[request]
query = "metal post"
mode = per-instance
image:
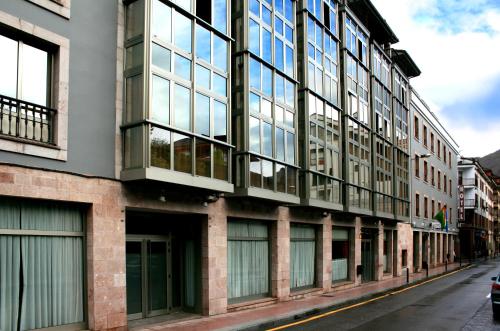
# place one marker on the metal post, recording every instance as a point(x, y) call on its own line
point(408, 275)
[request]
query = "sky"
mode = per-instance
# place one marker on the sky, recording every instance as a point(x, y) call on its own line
point(456, 45)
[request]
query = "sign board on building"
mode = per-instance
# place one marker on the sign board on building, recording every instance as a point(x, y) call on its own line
point(461, 204)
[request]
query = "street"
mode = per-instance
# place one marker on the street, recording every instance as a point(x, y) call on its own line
point(455, 302)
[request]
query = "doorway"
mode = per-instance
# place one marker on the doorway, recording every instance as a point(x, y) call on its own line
point(367, 256)
point(163, 264)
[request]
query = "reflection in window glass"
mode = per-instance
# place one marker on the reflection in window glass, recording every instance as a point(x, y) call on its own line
point(280, 178)
point(182, 153)
point(267, 175)
point(288, 33)
point(290, 93)
point(278, 25)
point(289, 10)
point(34, 75)
point(254, 103)
point(203, 43)
point(220, 121)
point(202, 77)
point(182, 67)
point(8, 67)
point(254, 37)
point(278, 114)
point(182, 32)
point(267, 81)
point(202, 116)
point(220, 53)
point(255, 7)
point(220, 162)
point(160, 148)
point(289, 61)
point(291, 180)
point(280, 144)
point(289, 118)
point(133, 104)
point(280, 89)
point(266, 108)
point(266, 15)
point(160, 102)
point(267, 140)
point(133, 57)
point(278, 56)
point(290, 148)
point(254, 74)
point(182, 107)
point(186, 4)
point(161, 57)
point(266, 45)
point(220, 85)
point(135, 19)
point(161, 25)
point(203, 162)
point(254, 135)
point(220, 15)
point(255, 172)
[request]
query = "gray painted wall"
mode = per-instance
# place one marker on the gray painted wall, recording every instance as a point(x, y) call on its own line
point(92, 83)
point(418, 185)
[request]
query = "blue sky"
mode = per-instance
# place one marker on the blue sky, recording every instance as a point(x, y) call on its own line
point(456, 44)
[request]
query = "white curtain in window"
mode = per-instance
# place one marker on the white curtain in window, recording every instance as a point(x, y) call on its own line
point(339, 269)
point(248, 259)
point(302, 255)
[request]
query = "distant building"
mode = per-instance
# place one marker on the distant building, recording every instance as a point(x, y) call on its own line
point(477, 234)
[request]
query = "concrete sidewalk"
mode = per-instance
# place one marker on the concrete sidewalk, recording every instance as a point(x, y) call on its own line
point(292, 310)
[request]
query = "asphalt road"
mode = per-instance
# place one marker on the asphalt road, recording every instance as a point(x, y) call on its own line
point(455, 302)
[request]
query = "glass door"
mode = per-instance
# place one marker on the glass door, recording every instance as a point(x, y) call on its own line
point(367, 260)
point(148, 270)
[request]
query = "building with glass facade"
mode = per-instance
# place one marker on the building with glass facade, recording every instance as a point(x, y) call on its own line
point(197, 157)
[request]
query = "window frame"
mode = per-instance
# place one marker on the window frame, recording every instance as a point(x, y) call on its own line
point(59, 87)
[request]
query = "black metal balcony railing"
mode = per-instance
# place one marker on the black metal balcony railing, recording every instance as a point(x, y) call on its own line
point(466, 181)
point(26, 120)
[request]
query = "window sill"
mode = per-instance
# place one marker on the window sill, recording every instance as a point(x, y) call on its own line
point(29, 147)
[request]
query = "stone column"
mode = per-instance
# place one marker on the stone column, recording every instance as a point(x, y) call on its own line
point(214, 260)
point(324, 256)
point(396, 253)
point(280, 255)
point(356, 251)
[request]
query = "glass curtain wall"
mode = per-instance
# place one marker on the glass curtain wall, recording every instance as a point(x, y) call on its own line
point(177, 87)
point(41, 265)
point(320, 100)
point(401, 143)
point(269, 147)
point(247, 260)
point(383, 130)
point(302, 255)
point(340, 254)
point(357, 120)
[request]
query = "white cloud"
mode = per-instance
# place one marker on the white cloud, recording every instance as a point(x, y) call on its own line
point(458, 55)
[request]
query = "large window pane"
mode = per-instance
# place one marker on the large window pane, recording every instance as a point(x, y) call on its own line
point(280, 144)
point(254, 74)
point(220, 53)
point(202, 77)
point(254, 37)
point(267, 175)
point(203, 163)
point(220, 15)
point(267, 81)
point(182, 107)
point(8, 67)
point(280, 178)
point(302, 255)
point(255, 172)
point(182, 153)
point(182, 67)
point(279, 54)
point(290, 148)
point(266, 45)
point(254, 135)
point(135, 19)
point(220, 85)
point(34, 75)
point(161, 25)
point(160, 148)
point(221, 162)
point(160, 103)
point(247, 260)
point(182, 31)
point(160, 57)
point(291, 180)
point(267, 140)
point(220, 121)
point(133, 104)
point(203, 43)
point(202, 116)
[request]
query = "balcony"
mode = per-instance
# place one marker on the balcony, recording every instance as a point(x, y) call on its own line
point(26, 121)
point(466, 181)
point(470, 203)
